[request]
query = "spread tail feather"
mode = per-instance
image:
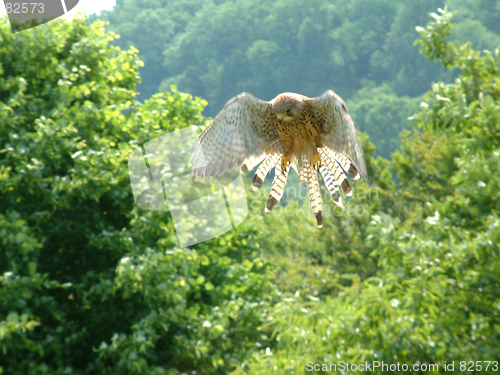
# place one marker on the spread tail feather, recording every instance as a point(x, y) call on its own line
point(280, 178)
point(347, 165)
point(331, 185)
point(264, 168)
point(311, 177)
point(338, 174)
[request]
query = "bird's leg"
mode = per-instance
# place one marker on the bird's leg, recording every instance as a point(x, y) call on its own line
point(316, 159)
point(285, 161)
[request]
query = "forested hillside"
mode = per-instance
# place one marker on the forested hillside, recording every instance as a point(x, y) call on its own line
point(407, 273)
point(362, 49)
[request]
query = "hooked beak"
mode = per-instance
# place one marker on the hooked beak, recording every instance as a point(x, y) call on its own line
point(280, 118)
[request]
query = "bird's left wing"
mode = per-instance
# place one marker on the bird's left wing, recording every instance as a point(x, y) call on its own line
point(338, 132)
point(243, 132)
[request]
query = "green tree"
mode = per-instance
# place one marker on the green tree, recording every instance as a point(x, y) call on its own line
point(435, 295)
point(149, 26)
point(485, 11)
point(217, 49)
point(63, 185)
point(89, 283)
point(383, 115)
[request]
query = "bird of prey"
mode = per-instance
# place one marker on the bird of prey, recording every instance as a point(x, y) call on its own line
point(308, 134)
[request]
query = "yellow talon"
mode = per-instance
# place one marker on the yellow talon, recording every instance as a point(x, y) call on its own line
point(316, 161)
point(284, 163)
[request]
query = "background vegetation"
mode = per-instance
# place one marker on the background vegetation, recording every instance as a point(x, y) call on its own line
point(91, 284)
point(362, 49)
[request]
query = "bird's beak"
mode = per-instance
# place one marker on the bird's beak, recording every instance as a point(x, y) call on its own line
point(280, 118)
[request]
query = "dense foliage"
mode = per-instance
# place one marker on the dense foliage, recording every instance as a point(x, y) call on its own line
point(91, 284)
point(218, 48)
point(75, 252)
point(434, 297)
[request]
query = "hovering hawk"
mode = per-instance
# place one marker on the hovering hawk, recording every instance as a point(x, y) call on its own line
point(308, 134)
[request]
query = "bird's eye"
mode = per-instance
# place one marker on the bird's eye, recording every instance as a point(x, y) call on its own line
point(288, 111)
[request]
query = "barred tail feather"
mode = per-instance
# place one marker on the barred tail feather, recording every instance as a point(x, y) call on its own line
point(264, 168)
point(280, 178)
point(250, 162)
point(331, 185)
point(338, 174)
point(311, 177)
point(347, 165)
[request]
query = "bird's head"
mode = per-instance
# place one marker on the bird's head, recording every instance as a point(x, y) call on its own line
point(287, 105)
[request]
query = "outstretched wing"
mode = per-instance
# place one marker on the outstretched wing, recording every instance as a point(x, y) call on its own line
point(243, 132)
point(338, 133)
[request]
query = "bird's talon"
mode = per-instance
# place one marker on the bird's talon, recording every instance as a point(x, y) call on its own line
point(284, 163)
point(316, 161)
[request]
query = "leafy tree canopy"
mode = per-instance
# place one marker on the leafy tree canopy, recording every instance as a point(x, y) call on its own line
point(218, 49)
point(91, 284)
point(435, 296)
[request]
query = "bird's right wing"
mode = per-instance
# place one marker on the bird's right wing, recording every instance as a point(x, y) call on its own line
point(338, 132)
point(243, 132)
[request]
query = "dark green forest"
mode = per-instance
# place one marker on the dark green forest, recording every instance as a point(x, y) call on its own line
point(362, 49)
point(407, 274)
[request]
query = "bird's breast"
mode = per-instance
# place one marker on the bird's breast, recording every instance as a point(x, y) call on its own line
point(299, 136)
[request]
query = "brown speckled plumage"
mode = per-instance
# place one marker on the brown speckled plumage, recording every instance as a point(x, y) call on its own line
point(309, 134)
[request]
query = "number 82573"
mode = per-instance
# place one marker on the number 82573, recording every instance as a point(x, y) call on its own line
point(469, 366)
point(23, 7)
